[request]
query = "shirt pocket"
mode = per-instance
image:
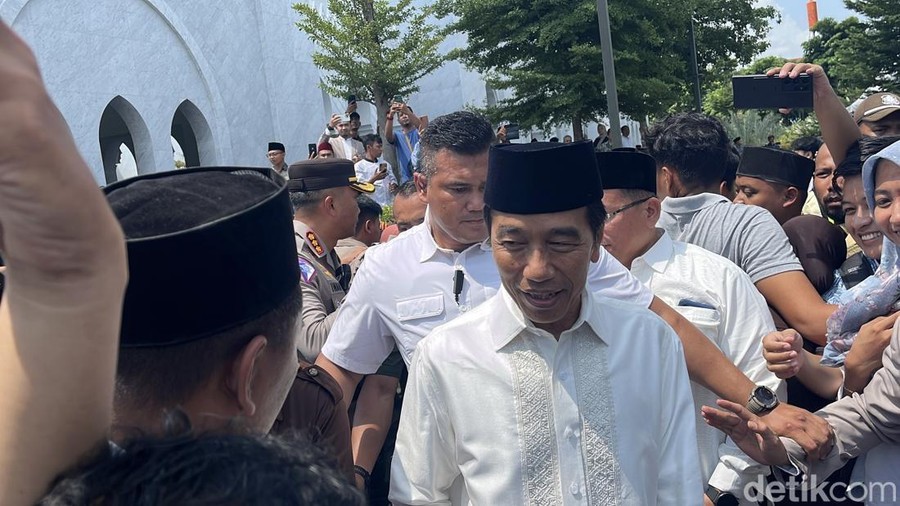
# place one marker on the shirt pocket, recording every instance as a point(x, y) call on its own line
point(418, 316)
point(705, 319)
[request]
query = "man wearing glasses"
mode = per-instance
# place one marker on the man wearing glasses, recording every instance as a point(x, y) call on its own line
point(711, 292)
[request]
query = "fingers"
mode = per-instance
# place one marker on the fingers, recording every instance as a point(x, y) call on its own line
point(725, 421)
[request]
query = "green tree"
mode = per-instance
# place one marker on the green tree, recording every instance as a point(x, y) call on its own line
point(753, 129)
point(372, 48)
point(547, 53)
point(859, 53)
point(719, 100)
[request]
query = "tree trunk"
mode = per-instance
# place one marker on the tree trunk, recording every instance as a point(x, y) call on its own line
point(577, 129)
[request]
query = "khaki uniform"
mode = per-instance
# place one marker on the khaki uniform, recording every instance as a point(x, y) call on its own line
point(351, 252)
point(313, 407)
point(322, 291)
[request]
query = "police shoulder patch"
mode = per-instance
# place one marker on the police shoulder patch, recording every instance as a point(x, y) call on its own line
point(307, 270)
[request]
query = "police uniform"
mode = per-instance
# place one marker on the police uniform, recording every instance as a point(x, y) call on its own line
point(313, 407)
point(323, 279)
point(321, 276)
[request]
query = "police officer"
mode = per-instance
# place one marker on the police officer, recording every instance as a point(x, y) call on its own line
point(323, 193)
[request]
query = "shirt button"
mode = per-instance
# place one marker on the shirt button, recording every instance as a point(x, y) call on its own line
point(564, 376)
point(312, 371)
point(574, 490)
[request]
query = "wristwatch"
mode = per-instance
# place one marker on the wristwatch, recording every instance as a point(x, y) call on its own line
point(720, 498)
point(762, 400)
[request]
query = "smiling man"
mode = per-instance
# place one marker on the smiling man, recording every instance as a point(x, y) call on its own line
point(575, 414)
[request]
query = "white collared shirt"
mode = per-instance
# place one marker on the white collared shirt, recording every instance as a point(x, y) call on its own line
point(349, 149)
point(719, 299)
point(364, 172)
point(404, 289)
point(499, 412)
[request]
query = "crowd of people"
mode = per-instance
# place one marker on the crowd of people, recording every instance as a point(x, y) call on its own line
point(691, 322)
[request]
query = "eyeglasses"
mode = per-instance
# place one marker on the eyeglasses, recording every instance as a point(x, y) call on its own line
point(626, 207)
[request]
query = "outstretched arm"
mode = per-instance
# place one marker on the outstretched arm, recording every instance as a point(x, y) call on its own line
point(61, 310)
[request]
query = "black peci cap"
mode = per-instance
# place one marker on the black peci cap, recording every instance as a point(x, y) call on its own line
point(208, 249)
point(322, 173)
point(627, 170)
point(777, 166)
point(542, 177)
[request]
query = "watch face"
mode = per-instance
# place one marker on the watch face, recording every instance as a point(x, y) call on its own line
point(727, 500)
point(765, 396)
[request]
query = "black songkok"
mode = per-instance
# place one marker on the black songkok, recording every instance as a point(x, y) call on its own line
point(627, 170)
point(208, 249)
point(777, 166)
point(276, 146)
point(542, 177)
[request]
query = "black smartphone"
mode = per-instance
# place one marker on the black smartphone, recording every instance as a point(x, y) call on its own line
point(312, 149)
point(398, 99)
point(351, 99)
point(512, 131)
point(765, 92)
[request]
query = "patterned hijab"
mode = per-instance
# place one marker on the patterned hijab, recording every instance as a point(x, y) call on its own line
point(877, 295)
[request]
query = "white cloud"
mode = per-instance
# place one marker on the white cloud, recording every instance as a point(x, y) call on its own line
point(785, 38)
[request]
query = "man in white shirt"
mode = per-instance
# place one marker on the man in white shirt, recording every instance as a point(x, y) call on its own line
point(707, 289)
point(574, 413)
point(627, 140)
point(376, 171)
point(443, 268)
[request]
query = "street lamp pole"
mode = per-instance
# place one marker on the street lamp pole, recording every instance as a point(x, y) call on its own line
point(609, 74)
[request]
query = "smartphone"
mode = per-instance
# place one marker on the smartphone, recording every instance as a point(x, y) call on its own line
point(765, 92)
point(398, 99)
point(351, 99)
point(312, 149)
point(512, 131)
point(345, 118)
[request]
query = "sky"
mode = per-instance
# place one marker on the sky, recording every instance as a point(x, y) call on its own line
point(785, 39)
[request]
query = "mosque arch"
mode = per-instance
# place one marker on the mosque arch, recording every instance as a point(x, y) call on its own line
point(192, 132)
point(121, 124)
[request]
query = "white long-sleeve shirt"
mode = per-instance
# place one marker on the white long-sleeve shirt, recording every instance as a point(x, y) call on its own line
point(719, 299)
point(499, 412)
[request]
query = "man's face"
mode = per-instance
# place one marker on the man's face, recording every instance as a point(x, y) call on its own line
point(344, 130)
point(626, 234)
point(347, 210)
point(771, 139)
point(626, 131)
point(455, 194)
point(805, 154)
point(408, 211)
point(829, 200)
point(325, 153)
point(375, 150)
point(858, 218)
point(601, 130)
point(404, 119)
point(567, 139)
point(543, 261)
point(887, 199)
point(276, 157)
point(888, 125)
point(354, 127)
point(756, 192)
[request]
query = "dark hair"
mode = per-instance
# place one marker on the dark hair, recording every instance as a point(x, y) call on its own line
point(811, 144)
point(461, 132)
point(354, 115)
point(694, 145)
point(368, 210)
point(859, 152)
point(406, 190)
point(206, 469)
point(302, 200)
point(596, 215)
point(731, 166)
point(371, 139)
point(164, 377)
point(553, 139)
